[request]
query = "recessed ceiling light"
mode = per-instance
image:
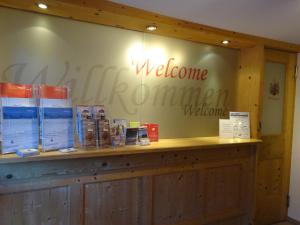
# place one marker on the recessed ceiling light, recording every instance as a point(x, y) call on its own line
point(42, 5)
point(151, 27)
point(225, 42)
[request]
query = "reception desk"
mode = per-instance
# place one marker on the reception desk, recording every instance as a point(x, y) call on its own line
point(189, 181)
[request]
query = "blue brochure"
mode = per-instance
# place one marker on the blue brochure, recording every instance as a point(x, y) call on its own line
point(19, 124)
point(56, 124)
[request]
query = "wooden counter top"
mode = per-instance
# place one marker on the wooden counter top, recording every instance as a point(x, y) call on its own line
point(164, 145)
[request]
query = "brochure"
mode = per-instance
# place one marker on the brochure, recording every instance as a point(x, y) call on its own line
point(89, 133)
point(118, 132)
point(83, 113)
point(18, 117)
point(103, 130)
point(19, 125)
point(56, 126)
point(56, 118)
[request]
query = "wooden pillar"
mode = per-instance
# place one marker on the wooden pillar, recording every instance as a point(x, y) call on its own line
point(249, 81)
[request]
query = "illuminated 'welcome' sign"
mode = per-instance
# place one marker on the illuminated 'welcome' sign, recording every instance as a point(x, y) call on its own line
point(170, 70)
point(184, 86)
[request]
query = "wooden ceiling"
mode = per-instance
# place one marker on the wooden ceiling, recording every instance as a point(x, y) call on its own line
point(117, 15)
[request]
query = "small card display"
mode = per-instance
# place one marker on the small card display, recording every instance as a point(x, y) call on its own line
point(152, 129)
point(132, 136)
point(143, 136)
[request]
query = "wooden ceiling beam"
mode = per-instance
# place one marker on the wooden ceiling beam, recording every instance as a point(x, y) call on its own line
point(117, 15)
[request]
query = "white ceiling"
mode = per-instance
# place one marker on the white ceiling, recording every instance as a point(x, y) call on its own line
point(276, 19)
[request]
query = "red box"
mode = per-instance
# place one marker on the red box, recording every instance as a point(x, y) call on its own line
point(152, 129)
point(11, 90)
point(53, 92)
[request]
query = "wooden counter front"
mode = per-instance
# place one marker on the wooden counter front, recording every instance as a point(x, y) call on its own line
point(173, 182)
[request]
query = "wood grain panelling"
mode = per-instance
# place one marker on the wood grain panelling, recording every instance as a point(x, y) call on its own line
point(269, 177)
point(205, 186)
point(117, 15)
point(178, 197)
point(76, 196)
point(223, 189)
point(274, 156)
point(116, 202)
point(270, 149)
point(249, 85)
point(49, 207)
point(269, 190)
point(95, 166)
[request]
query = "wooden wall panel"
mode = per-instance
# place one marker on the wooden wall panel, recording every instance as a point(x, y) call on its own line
point(222, 189)
point(270, 149)
point(269, 190)
point(178, 197)
point(49, 207)
point(115, 202)
point(76, 196)
point(270, 177)
point(94, 166)
point(249, 85)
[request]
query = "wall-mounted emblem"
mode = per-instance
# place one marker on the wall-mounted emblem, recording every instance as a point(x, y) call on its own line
point(274, 92)
point(274, 88)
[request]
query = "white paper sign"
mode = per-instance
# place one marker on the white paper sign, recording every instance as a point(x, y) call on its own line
point(225, 128)
point(241, 127)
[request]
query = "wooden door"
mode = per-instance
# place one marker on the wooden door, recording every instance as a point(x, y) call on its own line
point(276, 128)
